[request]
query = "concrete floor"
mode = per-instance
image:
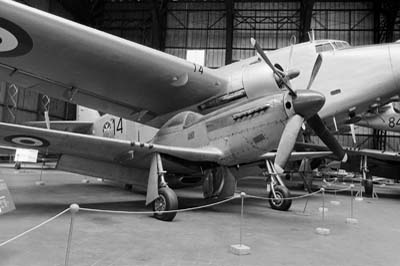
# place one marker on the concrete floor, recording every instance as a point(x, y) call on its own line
point(199, 237)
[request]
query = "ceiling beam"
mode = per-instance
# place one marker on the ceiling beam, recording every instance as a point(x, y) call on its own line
point(306, 8)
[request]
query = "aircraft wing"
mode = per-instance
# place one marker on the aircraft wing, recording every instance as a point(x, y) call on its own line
point(94, 147)
point(76, 63)
point(377, 154)
point(298, 155)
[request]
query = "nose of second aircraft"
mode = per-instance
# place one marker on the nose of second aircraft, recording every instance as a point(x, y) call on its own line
point(308, 102)
point(394, 53)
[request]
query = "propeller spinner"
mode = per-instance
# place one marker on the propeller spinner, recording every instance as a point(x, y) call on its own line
point(306, 104)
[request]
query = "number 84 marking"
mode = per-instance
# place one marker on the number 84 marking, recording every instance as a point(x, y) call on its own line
point(393, 123)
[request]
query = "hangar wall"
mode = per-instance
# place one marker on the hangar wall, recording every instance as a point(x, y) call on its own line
point(205, 24)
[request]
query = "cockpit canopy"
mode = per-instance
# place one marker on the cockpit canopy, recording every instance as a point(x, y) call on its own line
point(330, 45)
point(183, 120)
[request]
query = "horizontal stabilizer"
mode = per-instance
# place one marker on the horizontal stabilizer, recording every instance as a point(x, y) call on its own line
point(70, 126)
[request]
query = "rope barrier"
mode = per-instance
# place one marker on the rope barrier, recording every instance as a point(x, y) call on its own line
point(171, 211)
point(34, 228)
point(337, 190)
point(290, 198)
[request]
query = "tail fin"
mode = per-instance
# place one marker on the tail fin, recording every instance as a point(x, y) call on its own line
point(86, 114)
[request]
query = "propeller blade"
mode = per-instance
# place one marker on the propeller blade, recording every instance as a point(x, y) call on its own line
point(315, 71)
point(353, 133)
point(323, 133)
point(287, 141)
point(264, 57)
point(277, 72)
point(292, 43)
point(335, 124)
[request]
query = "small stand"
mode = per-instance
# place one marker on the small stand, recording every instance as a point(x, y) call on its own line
point(323, 230)
point(240, 249)
point(40, 182)
point(351, 219)
point(335, 202)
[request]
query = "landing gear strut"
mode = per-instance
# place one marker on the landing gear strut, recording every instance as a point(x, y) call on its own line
point(17, 165)
point(279, 191)
point(163, 199)
point(366, 178)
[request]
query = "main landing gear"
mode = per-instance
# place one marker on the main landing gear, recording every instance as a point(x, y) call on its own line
point(279, 193)
point(366, 180)
point(17, 165)
point(163, 199)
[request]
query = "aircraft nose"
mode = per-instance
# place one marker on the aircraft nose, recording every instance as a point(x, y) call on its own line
point(308, 102)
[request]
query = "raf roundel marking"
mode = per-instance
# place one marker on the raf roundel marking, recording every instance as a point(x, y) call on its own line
point(14, 41)
point(28, 141)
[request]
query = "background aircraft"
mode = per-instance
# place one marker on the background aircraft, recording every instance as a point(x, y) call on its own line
point(211, 122)
point(386, 117)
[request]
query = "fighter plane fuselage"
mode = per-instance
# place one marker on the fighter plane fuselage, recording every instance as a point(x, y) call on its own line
point(242, 132)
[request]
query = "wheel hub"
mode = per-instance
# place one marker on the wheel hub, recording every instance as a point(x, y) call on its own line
point(160, 204)
point(278, 200)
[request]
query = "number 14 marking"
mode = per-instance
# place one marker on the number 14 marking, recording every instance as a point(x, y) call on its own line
point(199, 69)
point(119, 125)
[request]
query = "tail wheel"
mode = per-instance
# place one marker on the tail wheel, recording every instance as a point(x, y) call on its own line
point(280, 203)
point(166, 201)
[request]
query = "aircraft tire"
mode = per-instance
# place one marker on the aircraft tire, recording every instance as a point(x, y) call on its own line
point(281, 193)
point(368, 187)
point(17, 165)
point(166, 201)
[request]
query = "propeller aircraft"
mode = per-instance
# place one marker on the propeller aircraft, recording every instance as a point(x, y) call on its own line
point(210, 123)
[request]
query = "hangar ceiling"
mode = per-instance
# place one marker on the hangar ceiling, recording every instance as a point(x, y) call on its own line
point(224, 27)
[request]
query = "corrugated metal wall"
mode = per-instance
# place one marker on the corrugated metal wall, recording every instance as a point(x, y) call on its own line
point(271, 23)
point(197, 25)
point(131, 20)
point(349, 21)
point(201, 25)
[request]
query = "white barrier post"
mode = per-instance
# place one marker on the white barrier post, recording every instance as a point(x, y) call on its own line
point(323, 230)
point(351, 219)
point(40, 182)
point(305, 205)
point(240, 249)
point(74, 208)
point(335, 201)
